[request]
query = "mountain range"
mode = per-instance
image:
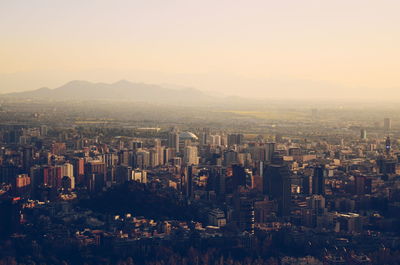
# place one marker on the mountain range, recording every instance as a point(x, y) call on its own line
point(121, 90)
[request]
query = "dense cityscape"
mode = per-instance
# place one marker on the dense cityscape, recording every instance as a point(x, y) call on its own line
point(88, 187)
point(186, 132)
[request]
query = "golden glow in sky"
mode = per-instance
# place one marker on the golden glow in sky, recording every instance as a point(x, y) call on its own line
point(229, 47)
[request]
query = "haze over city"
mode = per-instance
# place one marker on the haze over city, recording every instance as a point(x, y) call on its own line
point(266, 49)
point(183, 132)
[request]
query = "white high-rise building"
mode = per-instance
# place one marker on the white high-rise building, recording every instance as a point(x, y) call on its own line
point(139, 175)
point(67, 170)
point(190, 155)
point(154, 159)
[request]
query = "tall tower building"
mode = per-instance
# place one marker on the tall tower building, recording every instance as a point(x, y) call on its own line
point(388, 145)
point(238, 175)
point(318, 181)
point(363, 134)
point(217, 177)
point(173, 139)
point(277, 186)
point(306, 182)
point(205, 136)
point(387, 124)
point(27, 158)
point(187, 175)
point(190, 155)
point(244, 213)
point(154, 159)
point(269, 151)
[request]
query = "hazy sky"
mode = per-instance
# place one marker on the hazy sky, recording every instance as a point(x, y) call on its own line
point(261, 47)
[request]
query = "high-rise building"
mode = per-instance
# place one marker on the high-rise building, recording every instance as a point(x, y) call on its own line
point(318, 181)
point(136, 144)
point(388, 145)
point(154, 159)
point(8, 173)
point(43, 130)
point(244, 213)
point(215, 140)
point(95, 182)
point(216, 217)
point(67, 170)
point(142, 159)
point(205, 136)
point(123, 174)
point(27, 158)
point(22, 185)
point(111, 159)
point(123, 157)
point(177, 161)
point(235, 139)
point(314, 211)
point(139, 175)
point(277, 186)
point(79, 169)
point(156, 142)
point(168, 154)
point(95, 166)
point(36, 175)
point(263, 210)
point(95, 174)
point(190, 155)
point(269, 151)
point(258, 153)
point(306, 184)
point(387, 124)
point(217, 181)
point(10, 212)
point(187, 179)
point(316, 203)
point(363, 134)
point(52, 176)
point(173, 139)
point(386, 165)
point(238, 176)
point(230, 157)
point(362, 185)
point(161, 155)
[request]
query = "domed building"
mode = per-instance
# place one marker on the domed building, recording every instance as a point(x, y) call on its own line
point(188, 136)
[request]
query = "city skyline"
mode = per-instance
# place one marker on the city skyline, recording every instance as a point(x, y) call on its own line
point(177, 132)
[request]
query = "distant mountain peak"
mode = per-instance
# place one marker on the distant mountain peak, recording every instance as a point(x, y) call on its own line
point(121, 90)
point(43, 89)
point(76, 82)
point(122, 82)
